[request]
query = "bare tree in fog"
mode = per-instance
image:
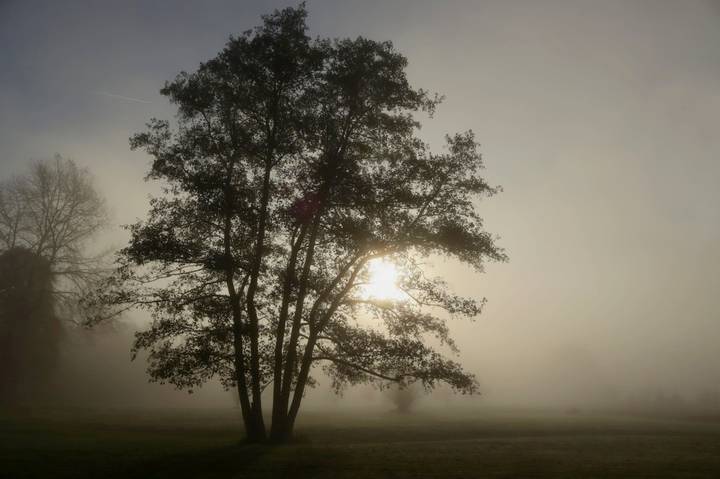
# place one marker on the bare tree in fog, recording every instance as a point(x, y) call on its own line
point(294, 167)
point(46, 216)
point(51, 211)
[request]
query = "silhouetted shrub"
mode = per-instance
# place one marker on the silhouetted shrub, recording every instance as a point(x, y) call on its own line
point(403, 397)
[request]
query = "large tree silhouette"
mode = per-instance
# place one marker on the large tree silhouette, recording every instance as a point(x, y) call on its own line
point(293, 165)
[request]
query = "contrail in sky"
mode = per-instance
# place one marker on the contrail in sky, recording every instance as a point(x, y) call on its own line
point(112, 95)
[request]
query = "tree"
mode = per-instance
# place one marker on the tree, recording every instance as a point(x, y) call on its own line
point(52, 211)
point(46, 217)
point(403, 397)
point(293, 166)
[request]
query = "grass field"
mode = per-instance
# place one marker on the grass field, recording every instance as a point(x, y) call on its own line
point(203, 444)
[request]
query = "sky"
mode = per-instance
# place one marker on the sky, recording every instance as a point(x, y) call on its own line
point(598, 119)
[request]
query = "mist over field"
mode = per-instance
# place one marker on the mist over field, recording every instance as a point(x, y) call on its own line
point(597, 120)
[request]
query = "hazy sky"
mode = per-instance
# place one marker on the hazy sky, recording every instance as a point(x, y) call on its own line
point(599, 119)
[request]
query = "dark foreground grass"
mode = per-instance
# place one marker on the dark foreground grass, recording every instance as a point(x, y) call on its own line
point(192, 444)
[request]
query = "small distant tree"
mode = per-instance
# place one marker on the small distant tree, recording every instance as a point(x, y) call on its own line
point(403, 396)
point(293, 165)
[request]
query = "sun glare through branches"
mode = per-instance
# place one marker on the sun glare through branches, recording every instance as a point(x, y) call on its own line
point(382, 282)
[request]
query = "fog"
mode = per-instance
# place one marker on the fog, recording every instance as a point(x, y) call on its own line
point(599, 120)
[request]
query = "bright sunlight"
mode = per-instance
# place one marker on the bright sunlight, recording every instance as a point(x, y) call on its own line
point(382, 281)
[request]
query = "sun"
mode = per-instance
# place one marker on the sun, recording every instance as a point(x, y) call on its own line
point(382, 282)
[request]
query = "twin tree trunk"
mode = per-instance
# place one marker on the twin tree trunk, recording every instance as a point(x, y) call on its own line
point(286, 399)
point(284, 410)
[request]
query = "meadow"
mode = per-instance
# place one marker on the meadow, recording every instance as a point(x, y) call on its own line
point(179, 444)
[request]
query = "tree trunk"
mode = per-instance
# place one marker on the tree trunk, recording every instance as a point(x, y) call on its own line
point(283, 423)
point(281, 431)
point(255, 390)
point(278, 411)
point(252, 415)
point(255, 426)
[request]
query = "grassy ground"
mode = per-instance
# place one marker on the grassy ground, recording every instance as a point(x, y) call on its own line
point(196, 444)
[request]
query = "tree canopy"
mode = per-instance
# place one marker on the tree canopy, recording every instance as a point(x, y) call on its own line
point(52, 211)
point(295, 164)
